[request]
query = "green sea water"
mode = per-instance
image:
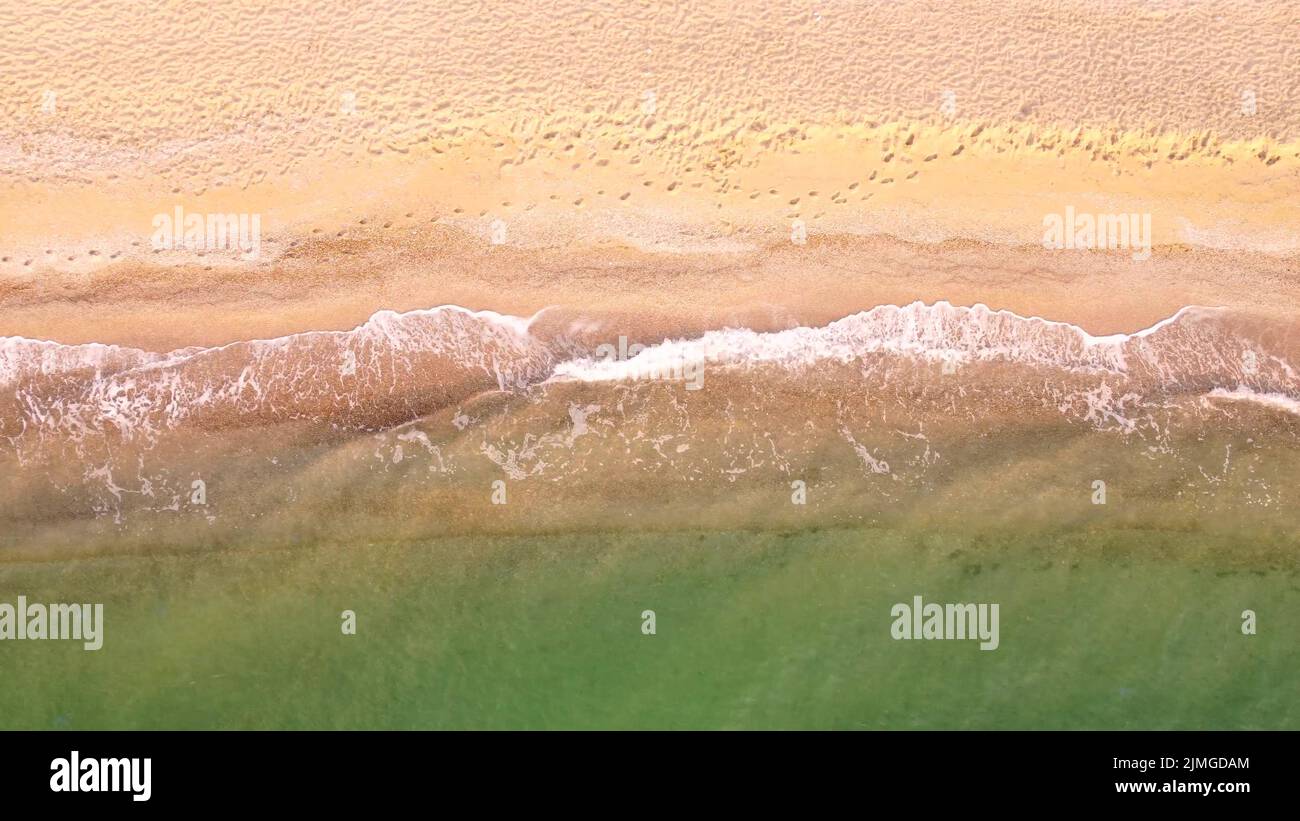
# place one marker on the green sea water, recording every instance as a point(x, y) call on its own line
point(775, 629)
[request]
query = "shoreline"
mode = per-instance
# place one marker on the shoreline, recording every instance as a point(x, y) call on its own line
point(679, 231)
point(658, 295)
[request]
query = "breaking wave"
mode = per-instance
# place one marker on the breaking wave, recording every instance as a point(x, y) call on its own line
point(399, 366)
point(1193, 347)
point(390, 369)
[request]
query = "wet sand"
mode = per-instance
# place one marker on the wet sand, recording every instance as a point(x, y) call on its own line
point(338, 284)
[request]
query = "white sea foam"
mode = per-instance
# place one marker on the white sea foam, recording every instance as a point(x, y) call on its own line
point(391, 361)
point(397, 366)
point(21, 356)
point(1277, 401)
point(938, 332)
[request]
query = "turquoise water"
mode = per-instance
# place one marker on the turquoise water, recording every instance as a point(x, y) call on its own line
point(753, 630)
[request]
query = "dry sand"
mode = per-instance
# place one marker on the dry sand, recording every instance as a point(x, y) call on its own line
point(641, 161)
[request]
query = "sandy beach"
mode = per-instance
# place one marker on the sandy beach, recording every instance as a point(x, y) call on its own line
point(763, 316)
point(913, 173)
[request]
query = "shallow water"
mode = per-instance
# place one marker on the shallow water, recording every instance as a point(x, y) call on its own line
point(775, 629)
point(499, 508)
point(448, 421)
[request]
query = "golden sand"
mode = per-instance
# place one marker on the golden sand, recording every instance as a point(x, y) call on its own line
point(649, 161)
